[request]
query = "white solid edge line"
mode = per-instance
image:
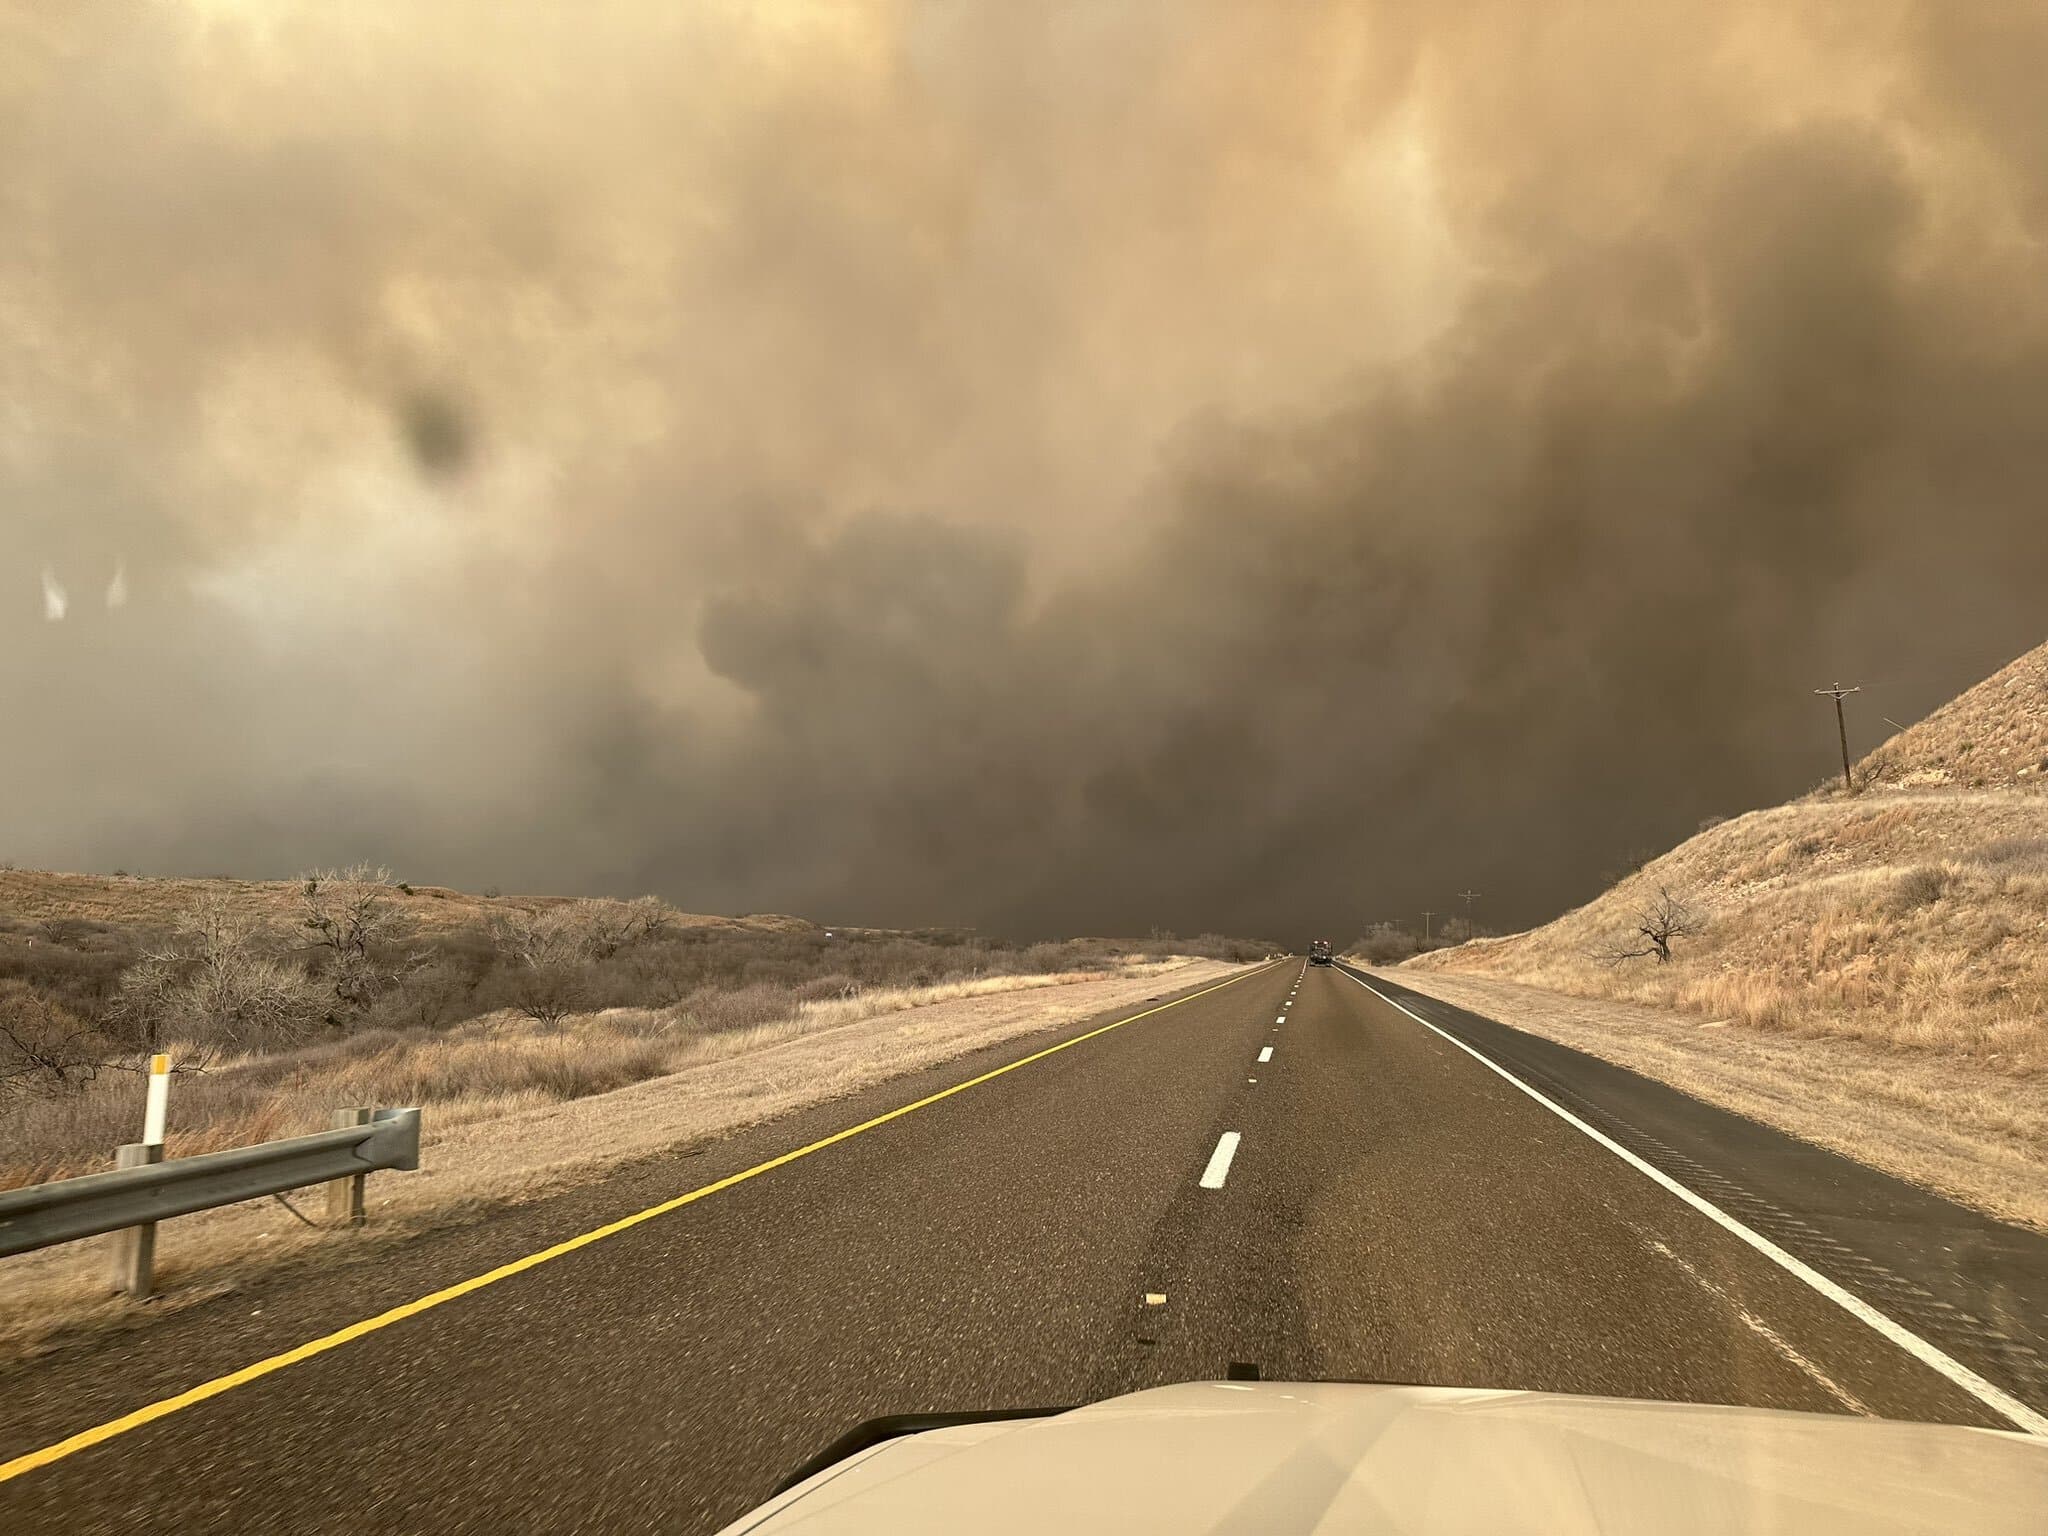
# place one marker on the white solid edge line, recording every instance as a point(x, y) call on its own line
point(1266, 1054)
point(1929, 1355)
point(1219, 1161)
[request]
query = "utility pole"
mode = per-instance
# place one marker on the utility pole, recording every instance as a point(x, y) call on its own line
point(1426, 916)
point(1470, 897)
point(1839, 693)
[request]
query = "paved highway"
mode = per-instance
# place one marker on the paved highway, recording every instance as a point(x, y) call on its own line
point(1300, 1173)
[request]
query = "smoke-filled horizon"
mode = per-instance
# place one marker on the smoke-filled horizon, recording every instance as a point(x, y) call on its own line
point(1055, 468)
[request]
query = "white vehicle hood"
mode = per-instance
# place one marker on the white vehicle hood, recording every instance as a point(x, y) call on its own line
point(1277, 1458)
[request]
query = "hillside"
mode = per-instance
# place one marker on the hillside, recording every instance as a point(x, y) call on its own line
point(1994, 736)
point(135, 901)
point(547, 1039)
point(1912, 914)
point(269, 995)
point(1900, 933)
point(1910, 920)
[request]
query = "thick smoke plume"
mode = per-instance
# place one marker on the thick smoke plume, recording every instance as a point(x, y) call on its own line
point(1052, 467)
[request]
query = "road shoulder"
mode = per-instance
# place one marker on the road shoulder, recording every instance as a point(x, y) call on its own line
point(469, 1178)
point(1976, 1287)
point(1912, 1117)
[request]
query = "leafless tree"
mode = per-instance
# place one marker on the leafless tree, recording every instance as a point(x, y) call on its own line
point(554, 947)
point(1666, 916)
point(215, 982)
point(604, 927)
point(1384, 944)
point(43, 1048)
point(536, 938)
point(1460, 930)
point(352, 919)
point(550, 947)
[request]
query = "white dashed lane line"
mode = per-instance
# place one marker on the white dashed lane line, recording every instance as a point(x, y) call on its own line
point(1219, 1161)
point(1266, 1054)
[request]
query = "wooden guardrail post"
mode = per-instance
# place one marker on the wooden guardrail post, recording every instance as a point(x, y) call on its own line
point(135, 1247)
point(345, 1196)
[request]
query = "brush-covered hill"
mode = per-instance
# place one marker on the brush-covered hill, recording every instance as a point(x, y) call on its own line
point(1993, 737)
point(1911, 914)
point(34, 896)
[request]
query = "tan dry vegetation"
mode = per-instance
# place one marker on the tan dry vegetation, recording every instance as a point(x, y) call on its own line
point(37, 895)
point(469, 1071)
point(1911, 921)
point(1995, 735)
point(1901, 931)
point(1917, 1117)
point(508, 1128)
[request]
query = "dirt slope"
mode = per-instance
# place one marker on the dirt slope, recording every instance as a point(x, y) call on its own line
point(1994, 736)
point(1910, 919)
point(1914, 914)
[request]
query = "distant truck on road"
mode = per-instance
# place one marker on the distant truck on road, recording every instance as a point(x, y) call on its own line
point(1319, 952)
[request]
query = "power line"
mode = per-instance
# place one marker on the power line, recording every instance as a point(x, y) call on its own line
point(1839, 693)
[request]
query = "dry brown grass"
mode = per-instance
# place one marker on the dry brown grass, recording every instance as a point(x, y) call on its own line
point(1908, 922)
point(1911, 921)
point(1994, 736)
point(468, 1072)
point(508, 1133)
point(37, 895)
point(1916, 1116)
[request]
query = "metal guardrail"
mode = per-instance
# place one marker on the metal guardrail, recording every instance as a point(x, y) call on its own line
point(132, 1199)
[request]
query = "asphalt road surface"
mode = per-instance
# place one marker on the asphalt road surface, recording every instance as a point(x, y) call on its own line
point(1293, 1174)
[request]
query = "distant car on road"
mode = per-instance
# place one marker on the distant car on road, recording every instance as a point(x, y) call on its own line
point(1319, 952)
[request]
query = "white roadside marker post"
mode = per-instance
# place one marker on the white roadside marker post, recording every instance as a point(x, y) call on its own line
point(158, 1103)
point(135, 1247)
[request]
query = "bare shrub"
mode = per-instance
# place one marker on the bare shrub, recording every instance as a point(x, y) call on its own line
point(1666, 916)
point(355, 927)
point(1791, 853)
point(436, 991)
point(823, 988)
point(548, 991)
point(216, 982)
point(1459, 929)
point(548, 950)
point(717, 1012)
point(43, 1048)
point(604, 926)
point(1043, 958)
point(1384, 944)
point(1921, 886)
point(72, 963)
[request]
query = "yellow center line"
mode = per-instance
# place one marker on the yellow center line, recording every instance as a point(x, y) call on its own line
point(99, 1434)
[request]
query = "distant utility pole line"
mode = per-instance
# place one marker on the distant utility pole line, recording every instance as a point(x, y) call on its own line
point(1839, 693)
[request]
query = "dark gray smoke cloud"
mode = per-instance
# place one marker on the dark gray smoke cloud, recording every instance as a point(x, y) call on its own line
point(1048, 467)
